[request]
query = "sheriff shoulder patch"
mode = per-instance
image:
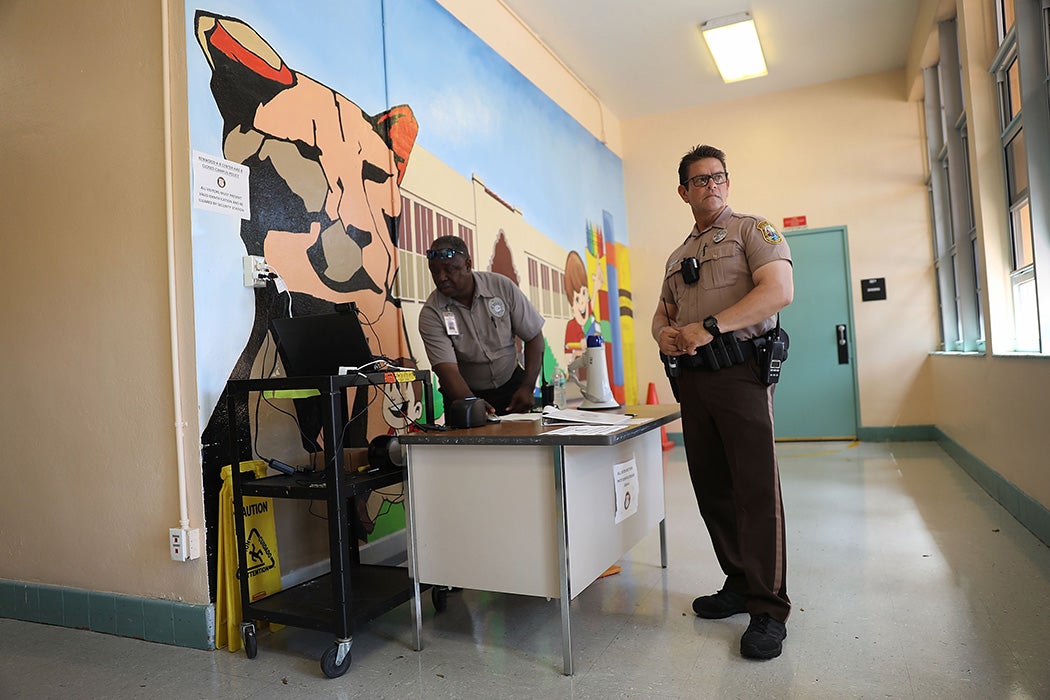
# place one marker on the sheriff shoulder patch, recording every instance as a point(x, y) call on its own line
point(769, 233)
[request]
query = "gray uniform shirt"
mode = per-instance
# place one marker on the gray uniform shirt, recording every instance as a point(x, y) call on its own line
point(484, 346)
point(729, 251)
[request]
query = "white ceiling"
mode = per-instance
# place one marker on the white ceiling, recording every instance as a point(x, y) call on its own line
point(644, 57)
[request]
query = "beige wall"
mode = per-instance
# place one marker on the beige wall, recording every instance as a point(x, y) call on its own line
point(88, 416)
point(995, 407)
point(846, 153)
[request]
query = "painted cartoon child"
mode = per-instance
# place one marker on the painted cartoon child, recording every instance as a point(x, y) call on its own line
point(583, 321)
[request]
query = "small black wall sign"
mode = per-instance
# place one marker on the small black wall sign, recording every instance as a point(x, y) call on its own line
point(873, 289)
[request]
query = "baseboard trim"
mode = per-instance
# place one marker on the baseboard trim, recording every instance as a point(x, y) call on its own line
point(898, 433)
point(151, 619)
point(892, 433)
point(1029, 512)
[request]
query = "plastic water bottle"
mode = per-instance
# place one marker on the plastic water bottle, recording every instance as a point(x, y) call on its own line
point(559, 380)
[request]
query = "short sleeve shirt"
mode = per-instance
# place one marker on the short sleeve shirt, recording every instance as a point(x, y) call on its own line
point(484, 345)
point(728, 252)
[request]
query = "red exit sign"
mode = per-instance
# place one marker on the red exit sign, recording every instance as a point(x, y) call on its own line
point(794, 221)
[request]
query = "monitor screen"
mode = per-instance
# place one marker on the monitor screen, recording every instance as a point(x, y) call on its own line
point(319, 344)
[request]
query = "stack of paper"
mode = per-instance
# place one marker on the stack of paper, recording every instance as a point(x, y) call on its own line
point(554, 416)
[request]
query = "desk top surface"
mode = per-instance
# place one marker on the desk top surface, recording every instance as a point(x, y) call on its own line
point(534, 433)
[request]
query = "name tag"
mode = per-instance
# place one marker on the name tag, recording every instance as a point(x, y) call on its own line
point(451, 327)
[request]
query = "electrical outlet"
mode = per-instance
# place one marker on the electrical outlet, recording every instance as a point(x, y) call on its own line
point(184, 544)
point(177, 544)
point(193, 543)
point(256, 270)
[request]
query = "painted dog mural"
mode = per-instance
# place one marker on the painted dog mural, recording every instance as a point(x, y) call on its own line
point(324, 197)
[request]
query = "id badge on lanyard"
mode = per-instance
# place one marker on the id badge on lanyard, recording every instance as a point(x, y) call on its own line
point(451, 327)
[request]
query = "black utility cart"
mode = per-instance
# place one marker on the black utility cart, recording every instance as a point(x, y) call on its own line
point(352, 592)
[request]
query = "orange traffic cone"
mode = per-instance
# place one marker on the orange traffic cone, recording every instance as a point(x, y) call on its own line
point(651, 399)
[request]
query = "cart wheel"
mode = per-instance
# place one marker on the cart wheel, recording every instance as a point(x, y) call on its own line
point(439, 595)
point(328, 662)
point(251, 644)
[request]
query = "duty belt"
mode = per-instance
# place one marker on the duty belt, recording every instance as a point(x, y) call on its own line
point(712, 356)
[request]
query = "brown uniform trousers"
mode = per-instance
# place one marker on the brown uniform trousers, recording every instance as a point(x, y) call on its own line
point(727, 421)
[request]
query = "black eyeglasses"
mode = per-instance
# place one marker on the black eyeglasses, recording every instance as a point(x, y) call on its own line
point(443, 254)
point(702, 180)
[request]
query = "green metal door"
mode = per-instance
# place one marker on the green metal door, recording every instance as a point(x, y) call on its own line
point(817, 394)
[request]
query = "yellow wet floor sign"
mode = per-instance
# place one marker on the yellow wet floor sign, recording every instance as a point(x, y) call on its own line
point(264, 566)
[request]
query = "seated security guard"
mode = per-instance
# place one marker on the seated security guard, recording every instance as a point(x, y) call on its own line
point(469, 325)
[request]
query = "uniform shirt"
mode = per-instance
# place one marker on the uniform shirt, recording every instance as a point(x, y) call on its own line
point(729, 251)
point(484, 348)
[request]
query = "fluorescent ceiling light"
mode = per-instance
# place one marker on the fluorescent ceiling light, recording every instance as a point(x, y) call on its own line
point(733, 42)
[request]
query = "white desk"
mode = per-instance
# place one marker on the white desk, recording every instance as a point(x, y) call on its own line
point(511, 508)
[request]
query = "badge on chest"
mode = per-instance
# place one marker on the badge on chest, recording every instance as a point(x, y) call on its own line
point(451, 327)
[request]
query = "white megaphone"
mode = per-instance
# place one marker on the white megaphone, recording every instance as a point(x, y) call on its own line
point(596, 392)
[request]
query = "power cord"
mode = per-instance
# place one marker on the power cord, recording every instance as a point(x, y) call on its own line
point(281, 466)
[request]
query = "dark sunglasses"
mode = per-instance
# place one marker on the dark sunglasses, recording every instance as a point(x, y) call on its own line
point(443, 254)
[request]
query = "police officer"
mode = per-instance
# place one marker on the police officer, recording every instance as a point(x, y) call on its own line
point(469, 325)
point(731, 275)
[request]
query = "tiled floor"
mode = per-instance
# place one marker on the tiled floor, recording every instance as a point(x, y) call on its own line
point(908, 582)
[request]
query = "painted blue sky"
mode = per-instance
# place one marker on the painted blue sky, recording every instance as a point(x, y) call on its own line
point(476, 112)
point(481, 116)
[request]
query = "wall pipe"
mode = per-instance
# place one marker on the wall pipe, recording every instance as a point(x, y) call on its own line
point(169, 211)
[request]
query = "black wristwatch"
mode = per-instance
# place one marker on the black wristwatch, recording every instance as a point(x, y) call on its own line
point(711, 326)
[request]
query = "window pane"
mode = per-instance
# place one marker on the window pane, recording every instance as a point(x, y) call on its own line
point(941, 83)
point(1016, 168)
point(958, 304)
point(1021, 230)
point(1012, 98)
point(977, 288)
point(949, 223)
point(971, 222)
point(1026, 318)
point(1006, 8)
point(940, 304)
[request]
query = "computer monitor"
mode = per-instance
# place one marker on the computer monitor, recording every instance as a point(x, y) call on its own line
point(319, 344)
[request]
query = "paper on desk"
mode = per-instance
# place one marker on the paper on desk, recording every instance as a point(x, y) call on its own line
point(552, 415)
point(522, 416)
point(585, 430)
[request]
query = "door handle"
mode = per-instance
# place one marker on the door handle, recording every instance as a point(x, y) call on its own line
point(843, 343)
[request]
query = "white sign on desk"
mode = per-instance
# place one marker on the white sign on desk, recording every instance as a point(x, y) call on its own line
point(625, 475)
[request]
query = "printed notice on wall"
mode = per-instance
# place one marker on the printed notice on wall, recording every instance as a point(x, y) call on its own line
point(220, 185)
point(626, 478)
